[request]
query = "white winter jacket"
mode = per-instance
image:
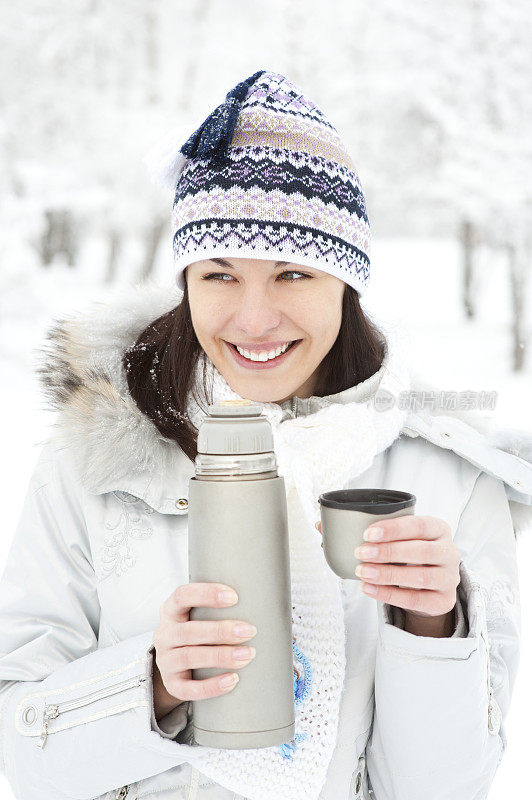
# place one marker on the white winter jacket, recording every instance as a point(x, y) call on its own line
point(97, 550)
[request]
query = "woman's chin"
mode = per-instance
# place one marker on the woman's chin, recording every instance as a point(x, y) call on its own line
point(254, 388)
point(257, 396)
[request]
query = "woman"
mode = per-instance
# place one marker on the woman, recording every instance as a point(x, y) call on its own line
point(410, 686)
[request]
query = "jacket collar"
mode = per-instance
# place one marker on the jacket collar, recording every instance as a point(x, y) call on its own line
point(117, 448)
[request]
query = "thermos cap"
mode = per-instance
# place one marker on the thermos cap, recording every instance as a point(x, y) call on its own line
point(235, 408)
point(235, 428)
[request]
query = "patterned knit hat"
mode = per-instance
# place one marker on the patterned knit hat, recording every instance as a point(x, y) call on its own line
point(267, 176)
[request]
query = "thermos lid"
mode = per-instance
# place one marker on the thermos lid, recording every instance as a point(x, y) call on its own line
point(370, 501)
point(235, 427)
point(235, 408)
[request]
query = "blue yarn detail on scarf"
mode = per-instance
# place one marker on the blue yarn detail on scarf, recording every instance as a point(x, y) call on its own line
point(302, 688)
point(215, 134)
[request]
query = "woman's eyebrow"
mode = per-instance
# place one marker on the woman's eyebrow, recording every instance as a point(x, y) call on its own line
point(223, 263)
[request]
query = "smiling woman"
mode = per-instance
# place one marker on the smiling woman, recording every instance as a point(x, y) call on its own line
point(411, 705)
point(257, 307)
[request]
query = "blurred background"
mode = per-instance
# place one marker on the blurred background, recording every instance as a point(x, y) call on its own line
point(434, 103)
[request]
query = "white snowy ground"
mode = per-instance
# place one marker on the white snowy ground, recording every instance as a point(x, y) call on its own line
point(415, 286)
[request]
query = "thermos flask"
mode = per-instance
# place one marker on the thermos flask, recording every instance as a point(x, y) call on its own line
point(238, 535)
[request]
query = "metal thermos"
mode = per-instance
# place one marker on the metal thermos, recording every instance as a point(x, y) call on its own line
point(238, 535)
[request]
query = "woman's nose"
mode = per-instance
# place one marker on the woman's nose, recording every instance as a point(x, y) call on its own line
point(257, 317)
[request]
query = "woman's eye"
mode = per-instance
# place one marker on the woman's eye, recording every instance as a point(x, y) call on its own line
point(295, 272)
point(219, 275)
point(215, 275)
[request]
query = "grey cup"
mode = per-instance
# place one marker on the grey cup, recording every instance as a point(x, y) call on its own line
point(238, 535)
point(345, 515)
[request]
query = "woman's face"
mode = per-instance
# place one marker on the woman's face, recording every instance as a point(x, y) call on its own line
point(260, 305)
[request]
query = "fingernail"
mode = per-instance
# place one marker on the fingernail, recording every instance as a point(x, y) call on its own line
point(366, 552)
point(316, 525)
point(366, 572)
point(228, 680)
point(244, 630)
point(227, 596)
point(373, 534)
point(244, 653)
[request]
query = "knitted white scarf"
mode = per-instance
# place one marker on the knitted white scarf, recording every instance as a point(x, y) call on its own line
point(315, 453)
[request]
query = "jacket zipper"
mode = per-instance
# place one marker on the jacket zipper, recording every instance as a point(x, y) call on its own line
point(493, 715)
point(51, 711)
point(294, 403)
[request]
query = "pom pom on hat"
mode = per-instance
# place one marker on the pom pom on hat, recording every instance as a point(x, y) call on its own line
point(165, 162)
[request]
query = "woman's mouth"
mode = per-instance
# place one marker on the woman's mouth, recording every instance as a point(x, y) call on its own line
point(271, 362)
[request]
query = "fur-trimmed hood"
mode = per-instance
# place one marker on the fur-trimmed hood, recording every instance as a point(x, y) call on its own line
point(117, 447)
point(81, 373)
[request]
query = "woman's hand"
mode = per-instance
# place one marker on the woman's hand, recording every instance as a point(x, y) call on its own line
point(417, 553)
point(182, 644)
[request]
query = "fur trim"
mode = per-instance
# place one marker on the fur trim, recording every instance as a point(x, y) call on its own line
point(82, 376)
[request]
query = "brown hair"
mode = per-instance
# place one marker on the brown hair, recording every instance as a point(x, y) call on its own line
point(160, 366)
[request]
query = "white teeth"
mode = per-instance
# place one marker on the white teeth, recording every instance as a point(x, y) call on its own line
point(263, 355)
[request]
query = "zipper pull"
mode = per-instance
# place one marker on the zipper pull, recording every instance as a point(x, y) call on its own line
point(122, 792)
point(50, 712)
point(494, 714)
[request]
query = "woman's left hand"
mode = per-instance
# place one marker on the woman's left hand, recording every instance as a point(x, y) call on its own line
point(415, 552)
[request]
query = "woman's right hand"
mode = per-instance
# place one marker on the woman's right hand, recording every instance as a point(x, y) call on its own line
point(182, 644)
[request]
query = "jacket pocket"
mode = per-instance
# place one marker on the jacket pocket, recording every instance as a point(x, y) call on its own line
point(35, 714)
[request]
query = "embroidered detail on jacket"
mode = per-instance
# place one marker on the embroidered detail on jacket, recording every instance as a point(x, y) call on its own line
point(499, 595)
point(117, 554)
point(302, 688)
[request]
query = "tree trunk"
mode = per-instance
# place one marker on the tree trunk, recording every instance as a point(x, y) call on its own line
point(151, 19)
point(467, 239)
point(517, 282)
point(152, 243)
point(115, 242)
point(59, 238)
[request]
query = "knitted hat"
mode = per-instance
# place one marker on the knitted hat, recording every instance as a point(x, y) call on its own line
point(267, 176)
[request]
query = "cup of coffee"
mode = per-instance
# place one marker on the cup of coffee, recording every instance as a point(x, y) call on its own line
point(345, 515)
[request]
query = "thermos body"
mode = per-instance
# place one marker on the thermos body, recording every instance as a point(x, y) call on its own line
point(238, 535)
